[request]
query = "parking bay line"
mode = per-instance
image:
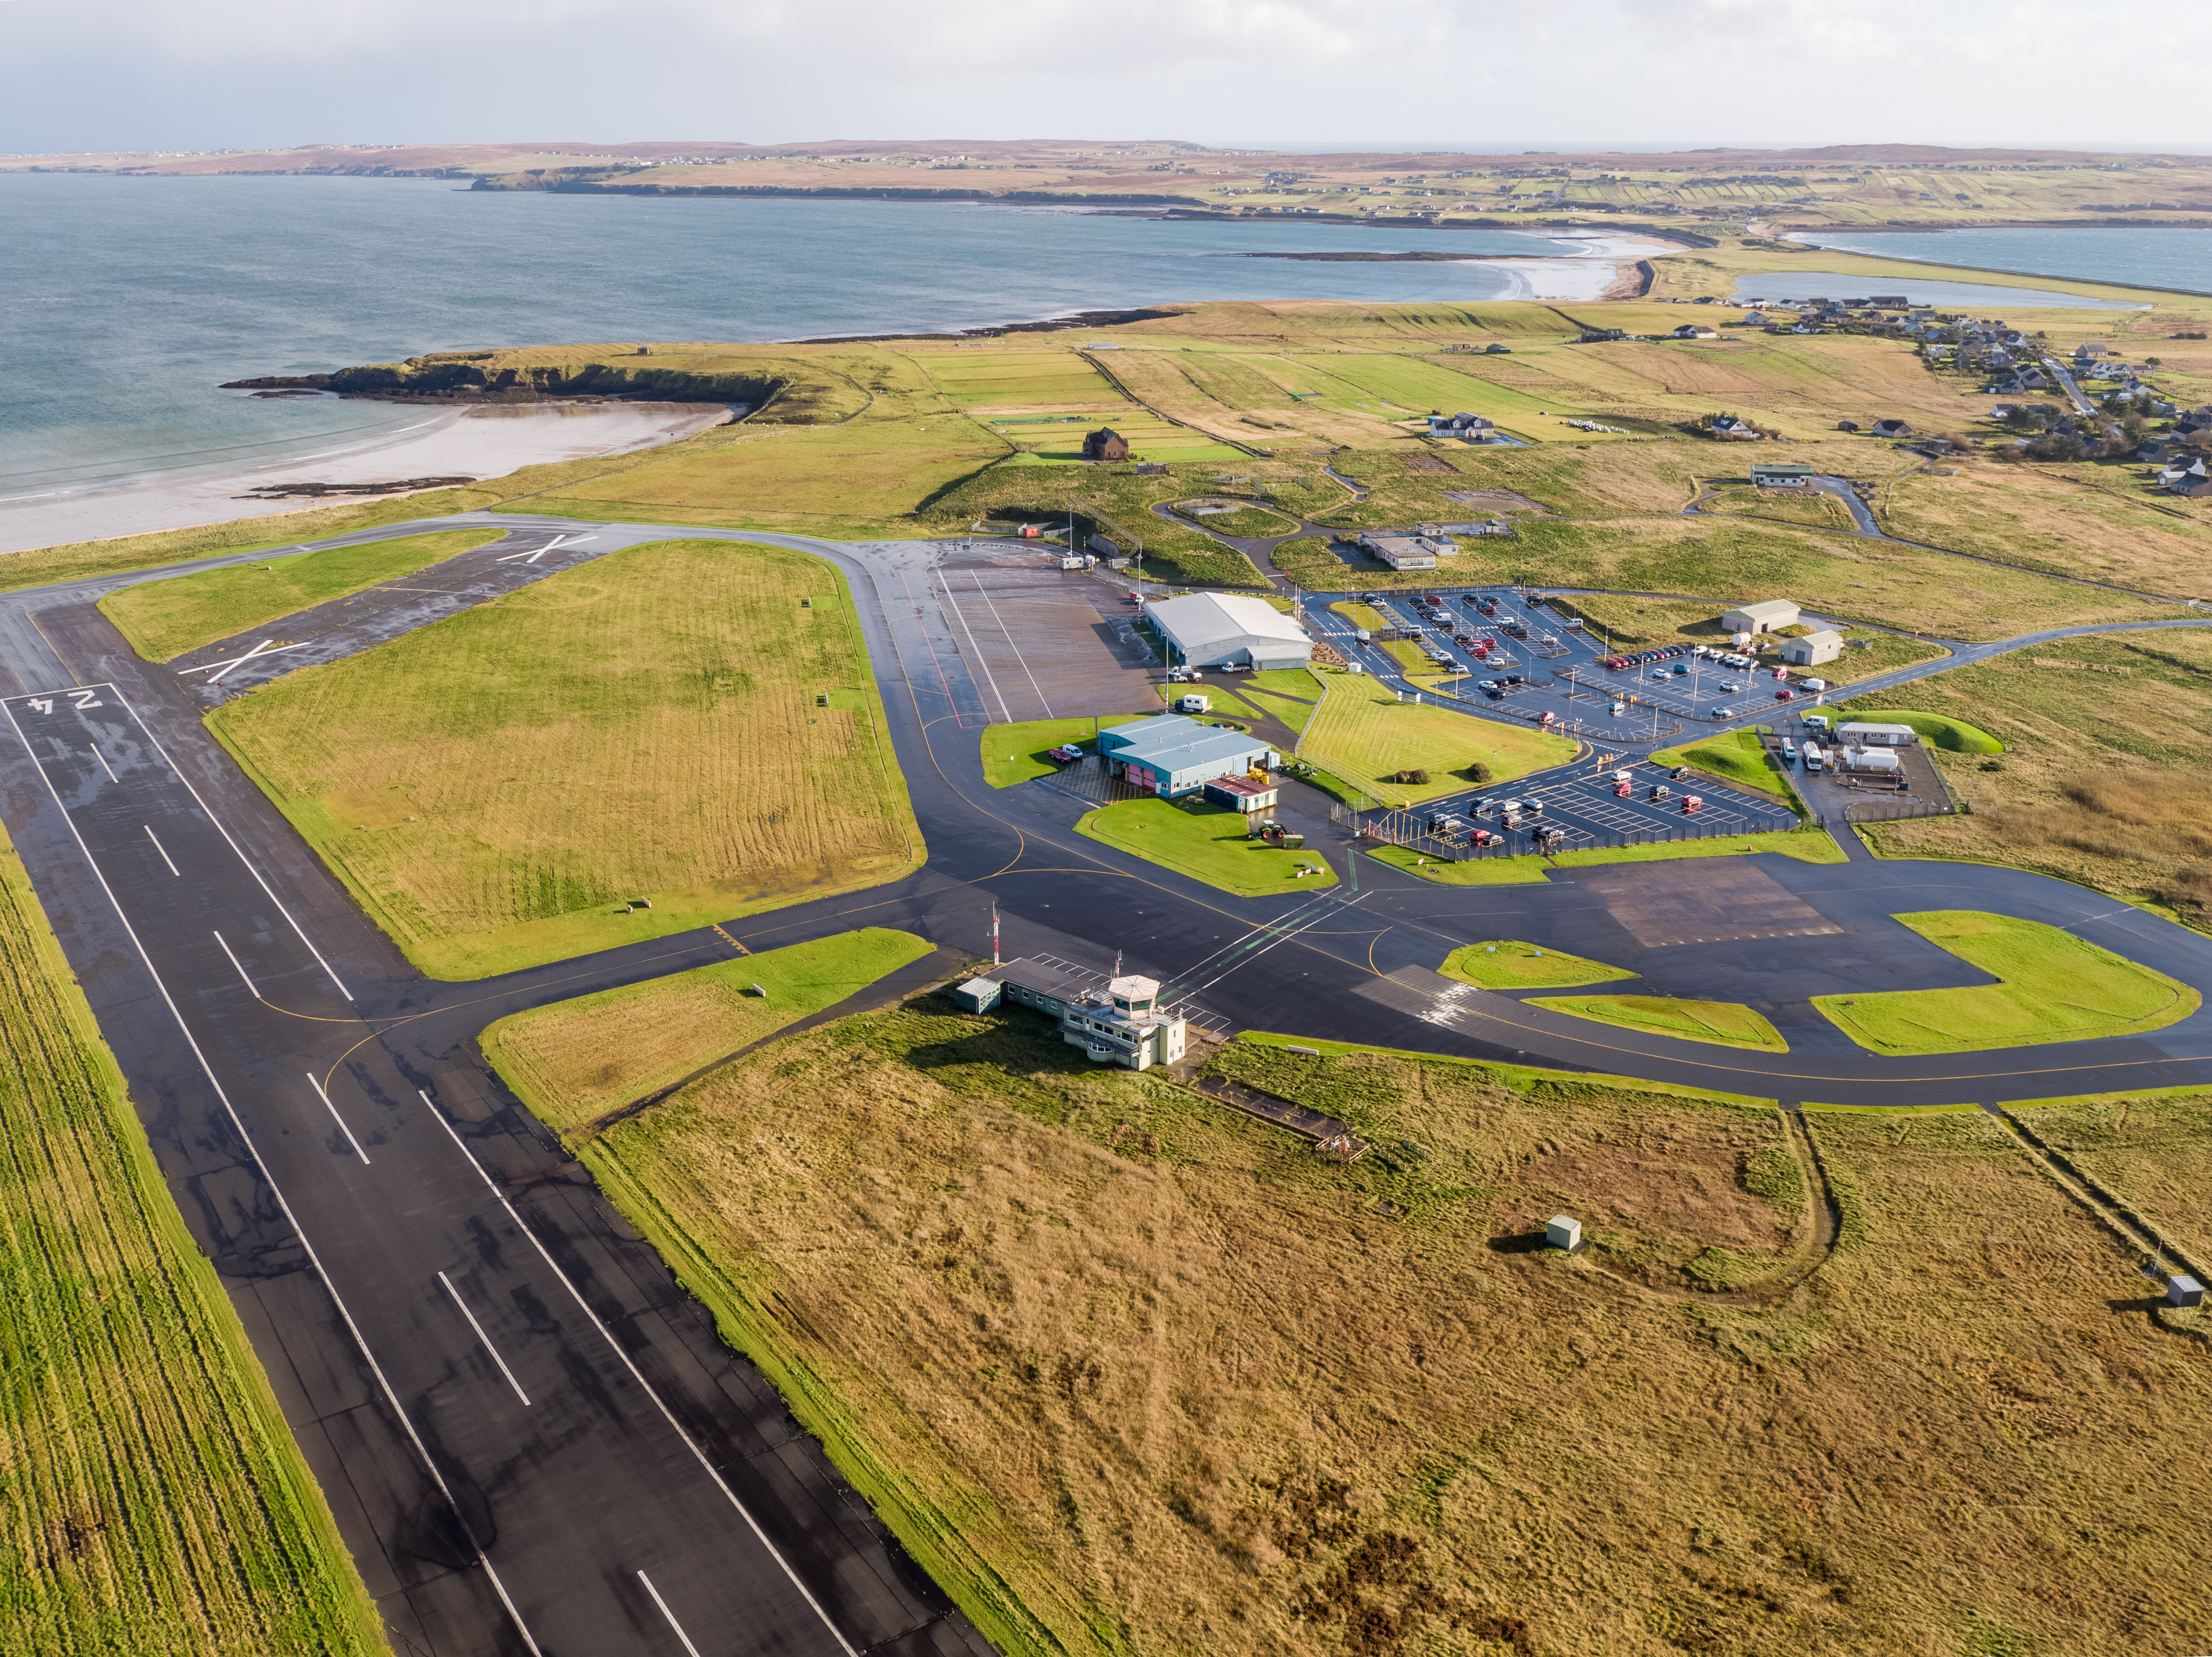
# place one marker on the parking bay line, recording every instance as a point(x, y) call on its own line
point(485, 1338)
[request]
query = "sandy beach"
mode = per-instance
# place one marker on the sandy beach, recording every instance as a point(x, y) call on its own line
point(477, 443)
point(1605, 269)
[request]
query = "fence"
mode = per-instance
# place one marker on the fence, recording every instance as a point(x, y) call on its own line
point(1409, 829)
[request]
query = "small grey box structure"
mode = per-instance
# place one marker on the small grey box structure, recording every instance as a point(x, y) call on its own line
point(1564, 1231)
point(976, 996)
point(2183, 1290)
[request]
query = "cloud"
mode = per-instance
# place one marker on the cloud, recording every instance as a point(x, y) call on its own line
point(237, 73)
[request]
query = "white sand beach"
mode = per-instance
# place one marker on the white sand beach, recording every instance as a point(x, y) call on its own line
point(1604, 268)
point(471, 443)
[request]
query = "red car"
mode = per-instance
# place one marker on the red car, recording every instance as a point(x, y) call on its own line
point(1785, 695)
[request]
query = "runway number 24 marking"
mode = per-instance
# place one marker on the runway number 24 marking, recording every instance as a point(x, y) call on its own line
point(45, 705)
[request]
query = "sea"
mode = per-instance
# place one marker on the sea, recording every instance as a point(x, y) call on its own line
point(125, 302)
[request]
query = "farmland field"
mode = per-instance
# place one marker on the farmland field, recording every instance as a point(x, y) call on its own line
point(573, 1061)
point(1124, 1293)
point(2155, 1154)
point(152, 1500)
point(163, 619)
point(2052, 986)
point(496, 787)
point(1361, 734)
point(1797, 506)
point(2081, 525)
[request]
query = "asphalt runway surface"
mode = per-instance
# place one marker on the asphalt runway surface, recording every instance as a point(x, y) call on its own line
point(532, 1439)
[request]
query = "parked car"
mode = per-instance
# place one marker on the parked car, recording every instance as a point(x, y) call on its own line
point(1788, 750)
point(1619, 709)
point(1693, 804)
point(1724, 713)
point(1621, 789)
point(1681, 667)
point(1728, 687)
point(1494, 693)
point(1815, 721)
point(1660, 791)
point(1486, 685)
point(1785, 695)
point(1064, 756)
point(1483, 837)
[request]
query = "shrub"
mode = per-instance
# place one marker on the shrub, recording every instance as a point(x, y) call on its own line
point(1415, 775)
point(1477, 773)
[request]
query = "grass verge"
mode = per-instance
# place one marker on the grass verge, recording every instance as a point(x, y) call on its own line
point(1806, 845)
point(165, 618)
point(1509, 964)
point(151, 1499)
point(573, 1061)
point(496, 787)
point(1206, 842)
point(1364, 734)
point(1941, 729)
point(1015, 753)
point(2053, 987)
point(1722, 1023)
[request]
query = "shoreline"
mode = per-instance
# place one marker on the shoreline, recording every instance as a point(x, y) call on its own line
point(481, 442)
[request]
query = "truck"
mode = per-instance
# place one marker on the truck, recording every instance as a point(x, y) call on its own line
point(1194, 704)
point(1813, 758)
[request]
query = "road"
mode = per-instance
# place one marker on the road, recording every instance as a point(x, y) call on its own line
point(533, 1441)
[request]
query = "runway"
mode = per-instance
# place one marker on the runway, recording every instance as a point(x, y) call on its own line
point(533, 1440)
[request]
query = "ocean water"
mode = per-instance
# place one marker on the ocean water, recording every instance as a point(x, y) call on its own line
point(2180, 257)
point(1982, 299)
point(124, 302)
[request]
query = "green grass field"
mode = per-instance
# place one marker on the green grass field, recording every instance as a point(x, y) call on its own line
point(1738, 757)
point(1015, 753)
point(164, 620)
point(153, 1502)
point(1806, 845)
point(573, 1061)
point(496, 788)
point(1942, 730)
point(1208, 844)
point(1720, 1023)
point(2054, 987)
point(1362, 733)
point(1509, 965)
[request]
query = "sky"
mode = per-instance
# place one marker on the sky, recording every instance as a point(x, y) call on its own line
point(94, 75)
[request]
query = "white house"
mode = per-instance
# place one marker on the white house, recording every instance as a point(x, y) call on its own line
point(1814, 648)
point(1408, 552)
point(1220, 630)
point(1768, 616)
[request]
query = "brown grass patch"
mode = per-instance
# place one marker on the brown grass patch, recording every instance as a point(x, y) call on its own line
point(1133, 1372)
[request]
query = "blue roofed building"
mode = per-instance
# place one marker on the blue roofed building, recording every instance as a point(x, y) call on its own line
point(1170, 754)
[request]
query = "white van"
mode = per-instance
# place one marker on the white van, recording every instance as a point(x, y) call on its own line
point(1815, 686)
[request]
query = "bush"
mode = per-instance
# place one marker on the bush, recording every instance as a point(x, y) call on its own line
point(1417, 775)
point(1477, 773)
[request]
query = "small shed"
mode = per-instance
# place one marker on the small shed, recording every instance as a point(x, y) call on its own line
point(1814, 648)
point(1767, 616)
point(976, 996)
point(1564, 1231)
point(1243, 794)
point(1105, 444)
point(2182, 1290)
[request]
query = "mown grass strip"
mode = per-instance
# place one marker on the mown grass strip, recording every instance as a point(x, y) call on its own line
point(1508, 964)
point(1717, 1023)
point(152, 1500)
point(1806, 845)
point(2052, 986)
point(1206, 842)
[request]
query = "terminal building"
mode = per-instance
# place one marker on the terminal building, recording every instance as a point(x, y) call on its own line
point(1408, 552)
point(1219, 630)
point(1121, 1024)
point(1172, 755)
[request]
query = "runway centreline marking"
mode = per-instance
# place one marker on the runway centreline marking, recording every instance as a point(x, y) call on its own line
point(340, 1120)
point(485, 1338)
point(158, 846)
point(104, 765)
point(241, 970)
point(284, 1204)
point(699, 1455)
point(669, 1614)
